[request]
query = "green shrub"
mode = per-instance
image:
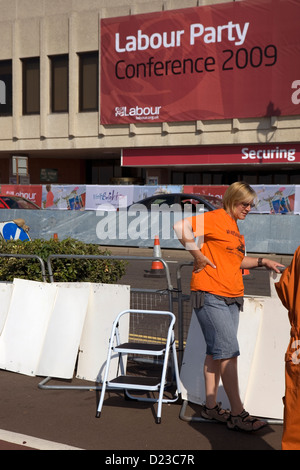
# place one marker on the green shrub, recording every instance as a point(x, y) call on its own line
point(64, 270)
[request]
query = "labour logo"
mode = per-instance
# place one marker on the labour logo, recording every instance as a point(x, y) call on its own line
point(120, 111)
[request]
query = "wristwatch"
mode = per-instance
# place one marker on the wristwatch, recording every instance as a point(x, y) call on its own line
point(259, 262)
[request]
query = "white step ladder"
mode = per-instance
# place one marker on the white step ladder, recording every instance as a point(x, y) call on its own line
point(129, 382)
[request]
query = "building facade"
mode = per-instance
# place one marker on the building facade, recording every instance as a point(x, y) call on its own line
point(50, 101)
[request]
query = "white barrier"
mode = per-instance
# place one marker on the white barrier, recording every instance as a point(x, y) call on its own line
point(105, 300)
point(45, 325)
point(263, 334)
point(5, 296)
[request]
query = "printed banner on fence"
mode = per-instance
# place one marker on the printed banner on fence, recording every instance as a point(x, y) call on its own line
point(112, 198)
point(230, 60)
point(70, 197)
point(271, 199)
point(275, 199)
point(32, 192)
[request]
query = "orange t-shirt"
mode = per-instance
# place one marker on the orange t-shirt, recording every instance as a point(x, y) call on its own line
point(225, 247)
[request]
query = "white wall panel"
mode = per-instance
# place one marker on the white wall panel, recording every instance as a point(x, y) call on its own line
point(5, 297)
point(263, 334)
point(24, 331)
point(45, 325)
point(61, 343)
point(266, 386)
point(106, 302)
point(194, 356)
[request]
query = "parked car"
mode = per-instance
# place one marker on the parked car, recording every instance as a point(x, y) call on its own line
point(180, 201)
point(16, 202)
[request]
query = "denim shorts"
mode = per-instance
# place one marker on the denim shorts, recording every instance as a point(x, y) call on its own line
point(219, 323)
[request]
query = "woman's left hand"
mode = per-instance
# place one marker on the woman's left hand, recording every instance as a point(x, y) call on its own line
point(273, 265)
point(250, 262)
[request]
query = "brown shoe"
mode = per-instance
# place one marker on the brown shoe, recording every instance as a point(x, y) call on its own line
point(245, 422)
point(217, 413)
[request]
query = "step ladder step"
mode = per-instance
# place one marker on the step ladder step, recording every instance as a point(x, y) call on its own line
point(134, 382)
point(141, 348)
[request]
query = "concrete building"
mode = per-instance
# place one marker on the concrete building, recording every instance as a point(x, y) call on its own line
point(49, 107)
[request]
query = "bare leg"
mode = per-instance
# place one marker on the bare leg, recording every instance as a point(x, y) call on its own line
point(227, 370)
point(212, 376)
point(229, 374)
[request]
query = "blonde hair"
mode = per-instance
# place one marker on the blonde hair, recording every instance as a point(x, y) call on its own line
point(236, 193)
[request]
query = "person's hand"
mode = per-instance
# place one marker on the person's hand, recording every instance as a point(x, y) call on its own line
point(201, 262)
point(273, 265)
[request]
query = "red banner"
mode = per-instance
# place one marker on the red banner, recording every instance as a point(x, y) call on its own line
point(231, 60)
point(31, 192)
point(212, 155)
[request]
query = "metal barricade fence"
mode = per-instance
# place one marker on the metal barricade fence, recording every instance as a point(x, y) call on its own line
point(141, 329)
point(184, 311)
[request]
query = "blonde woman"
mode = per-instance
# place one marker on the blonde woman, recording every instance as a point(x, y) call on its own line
point(217, 295)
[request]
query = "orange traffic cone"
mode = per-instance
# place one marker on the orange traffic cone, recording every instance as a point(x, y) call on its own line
point(245, 272)
point(247, 275)
point(157, 267)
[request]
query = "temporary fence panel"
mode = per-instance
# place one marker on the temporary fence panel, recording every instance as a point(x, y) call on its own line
point(5, 297)
point(106, 301)
point(266, 386)
point(141, 329)
point(248, 331)
point(263, 337)
point(44, 326)
point(61, 342)
point(261, 231)
point(26, 324)
point(191, 375)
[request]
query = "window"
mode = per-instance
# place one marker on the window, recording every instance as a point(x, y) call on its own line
point(88, 82)
point(31, 86)
point(59, 84)
point(5, 88)
point(295, 177)
point(192, 178)
point(264, 178)
point(280, 178)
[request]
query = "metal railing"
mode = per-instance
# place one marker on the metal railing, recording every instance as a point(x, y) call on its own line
point(109, 257)
point(10, 255)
